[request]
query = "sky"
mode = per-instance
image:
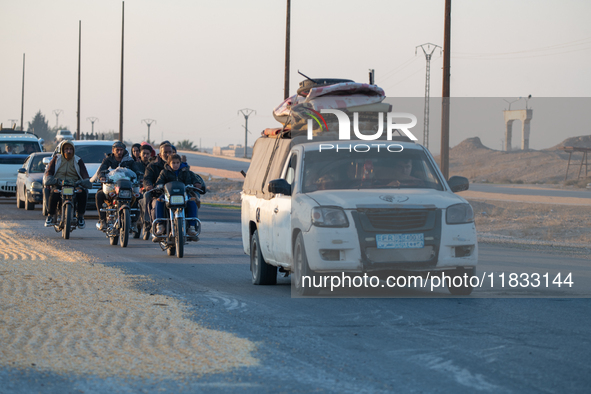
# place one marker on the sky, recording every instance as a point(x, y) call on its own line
point(191, 65)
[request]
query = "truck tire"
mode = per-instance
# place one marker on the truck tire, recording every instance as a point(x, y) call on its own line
point(262, 273)
point(301, 268)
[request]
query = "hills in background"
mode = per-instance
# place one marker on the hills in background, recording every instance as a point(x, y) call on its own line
point(472, 159)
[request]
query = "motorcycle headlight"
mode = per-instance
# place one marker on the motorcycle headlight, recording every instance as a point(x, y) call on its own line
point(177, 200)
point(329, 217)
point(36, 185)
point(126, 193)
point(459, 213)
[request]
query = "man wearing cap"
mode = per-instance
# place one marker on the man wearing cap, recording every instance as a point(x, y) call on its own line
point(67, 166)
point(118, 158)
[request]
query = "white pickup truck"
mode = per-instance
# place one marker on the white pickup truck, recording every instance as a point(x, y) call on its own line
point(328, 207)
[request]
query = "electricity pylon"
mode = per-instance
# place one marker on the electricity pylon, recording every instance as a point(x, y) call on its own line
point(428, 54)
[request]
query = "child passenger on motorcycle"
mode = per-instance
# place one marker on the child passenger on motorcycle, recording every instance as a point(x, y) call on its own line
point(174, 172)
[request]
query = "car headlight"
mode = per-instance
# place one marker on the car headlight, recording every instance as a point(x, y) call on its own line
point(36, 185)
point(329, 217)
point(459, 213)
point(177, 200)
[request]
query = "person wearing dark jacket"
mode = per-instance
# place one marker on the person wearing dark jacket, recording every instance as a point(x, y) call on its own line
point(150, 177)
point(154, 169)
point(67, 166)
point(171, 173)
point(118, 158)
point(145, 156)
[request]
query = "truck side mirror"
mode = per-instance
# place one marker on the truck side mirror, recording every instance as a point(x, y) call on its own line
point(22, 170)
point(280, 186)
point(458, 183)
point(46, 160)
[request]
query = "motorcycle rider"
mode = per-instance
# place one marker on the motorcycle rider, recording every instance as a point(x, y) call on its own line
point(151, 175)
point(145, 156)
point(119, 157)
point(135, 152)
point(173, 172)
point(67, 166)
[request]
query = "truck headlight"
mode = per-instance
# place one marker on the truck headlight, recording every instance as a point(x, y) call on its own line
point(36, 185)
point(459, 213)
point(329, 217)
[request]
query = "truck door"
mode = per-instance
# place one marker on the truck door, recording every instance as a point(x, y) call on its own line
point(282, 216)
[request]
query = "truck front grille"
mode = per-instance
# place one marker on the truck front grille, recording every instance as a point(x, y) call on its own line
point(397, 219)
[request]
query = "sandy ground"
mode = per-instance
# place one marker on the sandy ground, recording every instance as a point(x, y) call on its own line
point(61, 312)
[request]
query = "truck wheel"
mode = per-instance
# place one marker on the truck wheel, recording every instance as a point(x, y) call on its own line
point(461, 290)
point(301, 269)
point(262, 273)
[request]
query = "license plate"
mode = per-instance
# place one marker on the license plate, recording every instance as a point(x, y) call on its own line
point(400, 241)
point(68, 191)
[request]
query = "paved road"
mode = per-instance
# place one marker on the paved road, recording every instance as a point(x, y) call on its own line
point(201, 160)
point(355, 345)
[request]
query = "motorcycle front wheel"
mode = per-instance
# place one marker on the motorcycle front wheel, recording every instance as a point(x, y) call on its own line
point(179, 230)
point(67, 221)
point(125, 226)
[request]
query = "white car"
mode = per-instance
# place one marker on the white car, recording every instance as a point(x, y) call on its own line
point(312, 209)
point(64, 135)
point(15, 147)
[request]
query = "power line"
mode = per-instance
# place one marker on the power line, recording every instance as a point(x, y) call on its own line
point(149, 123)
point(57, 113)
point(428, 54)
point(92, 119)
point(246, 112)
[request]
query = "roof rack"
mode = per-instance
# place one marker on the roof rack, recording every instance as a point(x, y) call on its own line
point(13, 131)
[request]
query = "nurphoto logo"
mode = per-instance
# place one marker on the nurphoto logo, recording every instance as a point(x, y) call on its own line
point(345, 125)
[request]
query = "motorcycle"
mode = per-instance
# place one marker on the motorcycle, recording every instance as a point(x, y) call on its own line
point(65, 220)
point(175, 196)
point(121, 189)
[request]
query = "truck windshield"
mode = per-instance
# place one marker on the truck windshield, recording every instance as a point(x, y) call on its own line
point(334, 170)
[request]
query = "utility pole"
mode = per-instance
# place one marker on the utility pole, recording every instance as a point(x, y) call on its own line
point(57, 113)
point(121, 96)
point(372, 76)
point(23, 95)
point(428, 54)
point(79, 57)
point(149, 123)
point(287, 37)
point(92, 119)
point(246, 112)
point(444, 156)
